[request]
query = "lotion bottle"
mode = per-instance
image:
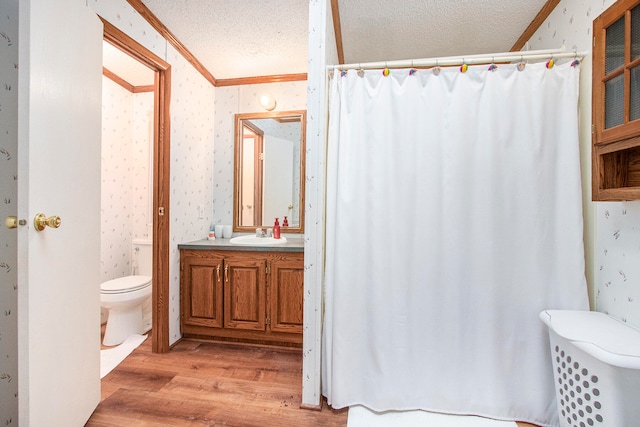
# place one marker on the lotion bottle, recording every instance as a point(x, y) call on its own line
point(276, 229)
point(285, 222)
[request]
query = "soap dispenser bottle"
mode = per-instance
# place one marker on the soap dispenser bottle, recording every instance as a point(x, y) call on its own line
point(276, 229)
point(285, 222)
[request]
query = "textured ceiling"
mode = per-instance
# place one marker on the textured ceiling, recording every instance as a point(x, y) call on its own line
point(380, 30)
point(248, 38)
point(240, 38)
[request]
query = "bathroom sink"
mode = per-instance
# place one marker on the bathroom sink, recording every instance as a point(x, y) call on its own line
point(252, 240)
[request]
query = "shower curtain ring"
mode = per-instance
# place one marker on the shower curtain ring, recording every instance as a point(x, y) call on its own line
point(412, 71)
point(550, 63)
point(521, 64)
point(575, 61)
point(493, 66)
point(464, 67)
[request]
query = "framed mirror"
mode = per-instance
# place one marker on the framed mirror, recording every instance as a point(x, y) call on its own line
point(269, 171)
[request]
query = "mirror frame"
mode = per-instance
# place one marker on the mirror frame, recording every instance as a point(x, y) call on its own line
point(239, 118)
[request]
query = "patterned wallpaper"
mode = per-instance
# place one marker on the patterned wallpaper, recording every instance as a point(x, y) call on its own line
point(125, 210)
point(322, 51)
point(123, 16)
point(618, 286)
point(192, 107)
point(231, 100)
point(8, 196)
point(612, 232)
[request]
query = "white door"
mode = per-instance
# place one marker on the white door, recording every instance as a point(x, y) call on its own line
point(59, 121)
point(278, 179)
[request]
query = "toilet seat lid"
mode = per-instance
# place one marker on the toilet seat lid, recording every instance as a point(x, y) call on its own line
point(125, 284)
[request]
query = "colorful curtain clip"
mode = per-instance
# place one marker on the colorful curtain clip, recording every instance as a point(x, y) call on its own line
point(343, 73)
point(521, 66)
point(385, 72)
point(360, 72)
point(464, 68)
point(550, 64)
point(412, 71)
point(493, 67)
point(436, 69)
point(575, 63)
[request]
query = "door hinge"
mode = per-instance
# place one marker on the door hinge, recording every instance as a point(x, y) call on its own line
point(261, 156)
point(161, 210)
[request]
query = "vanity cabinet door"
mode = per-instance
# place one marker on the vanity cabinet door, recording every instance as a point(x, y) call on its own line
point(202, 291)
point(244, 293)
point(286, 294)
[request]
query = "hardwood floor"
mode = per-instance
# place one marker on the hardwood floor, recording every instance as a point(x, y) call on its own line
point(210, 384)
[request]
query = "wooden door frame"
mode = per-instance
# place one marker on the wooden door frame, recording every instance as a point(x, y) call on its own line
point(258, 150)
point(161, 179)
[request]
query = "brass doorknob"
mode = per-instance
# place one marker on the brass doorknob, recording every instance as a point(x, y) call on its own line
point(11, 222)
point(40, 222)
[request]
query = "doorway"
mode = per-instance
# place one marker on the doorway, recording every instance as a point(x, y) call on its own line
point(160, 182)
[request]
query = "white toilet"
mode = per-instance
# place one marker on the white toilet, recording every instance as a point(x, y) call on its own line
point(128, 299)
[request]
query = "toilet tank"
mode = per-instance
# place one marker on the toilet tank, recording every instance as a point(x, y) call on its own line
point(142, 257)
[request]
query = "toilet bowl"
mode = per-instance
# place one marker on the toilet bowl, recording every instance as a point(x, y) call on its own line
point(127, 300)
point(123, 298)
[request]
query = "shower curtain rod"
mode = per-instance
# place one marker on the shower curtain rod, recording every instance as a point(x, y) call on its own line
point(489, 58)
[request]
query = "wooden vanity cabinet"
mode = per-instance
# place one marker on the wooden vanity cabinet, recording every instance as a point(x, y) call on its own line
point(287, 294)
point(201, 293)
point(242, 295)
point(245, 293)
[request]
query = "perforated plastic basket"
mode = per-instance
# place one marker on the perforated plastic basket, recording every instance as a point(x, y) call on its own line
point(596, 366)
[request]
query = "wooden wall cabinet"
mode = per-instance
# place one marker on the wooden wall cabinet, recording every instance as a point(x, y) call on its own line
point(242, 295)
point(616, 103)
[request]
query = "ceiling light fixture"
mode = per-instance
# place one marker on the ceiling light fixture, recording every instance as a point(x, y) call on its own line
point(267, 102)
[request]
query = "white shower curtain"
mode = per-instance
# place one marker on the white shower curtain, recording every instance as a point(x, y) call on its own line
point(453, 218)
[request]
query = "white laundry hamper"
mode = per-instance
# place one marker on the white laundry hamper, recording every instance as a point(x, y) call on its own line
point(596, 367)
